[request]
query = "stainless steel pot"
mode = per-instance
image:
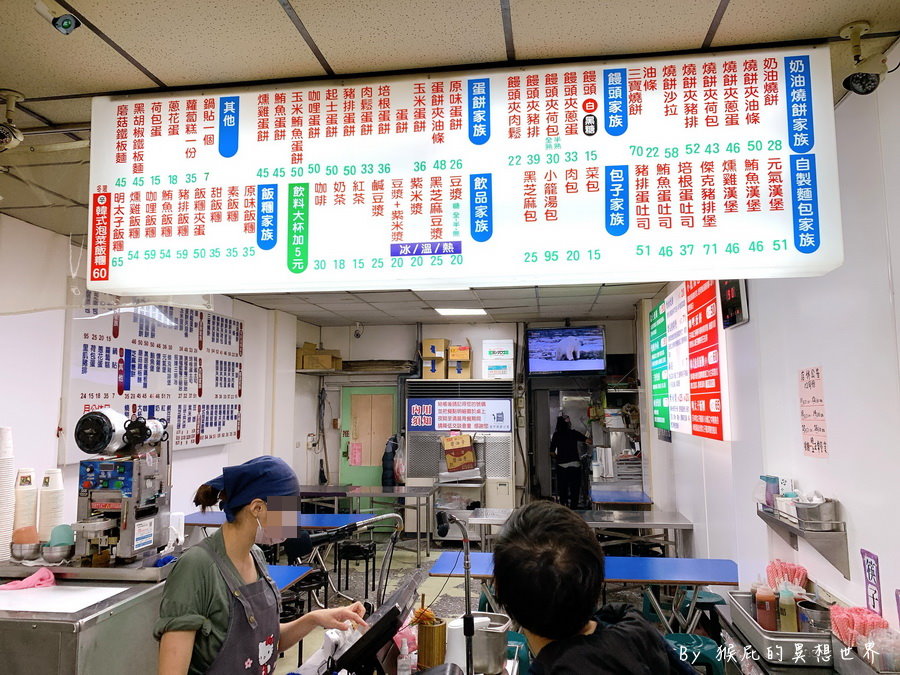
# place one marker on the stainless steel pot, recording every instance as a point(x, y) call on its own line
point(489, 644)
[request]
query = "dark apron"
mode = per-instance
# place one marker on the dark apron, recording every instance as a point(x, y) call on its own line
point(251, 644)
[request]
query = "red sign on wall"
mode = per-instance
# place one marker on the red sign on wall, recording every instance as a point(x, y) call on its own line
point(704, 362)
point(100, 215)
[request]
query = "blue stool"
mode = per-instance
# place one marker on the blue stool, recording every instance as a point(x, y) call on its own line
point(697, 651)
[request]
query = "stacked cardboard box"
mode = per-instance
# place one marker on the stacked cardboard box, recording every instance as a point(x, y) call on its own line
point(434, 358)
point(459, 358)
point(309, 357)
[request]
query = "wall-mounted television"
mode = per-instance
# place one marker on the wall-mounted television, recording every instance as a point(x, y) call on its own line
point(573, 350)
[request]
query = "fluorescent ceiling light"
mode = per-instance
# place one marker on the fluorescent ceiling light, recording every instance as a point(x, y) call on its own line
point(450, 311)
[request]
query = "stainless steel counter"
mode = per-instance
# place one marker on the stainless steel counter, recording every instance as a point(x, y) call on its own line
point(80, 628)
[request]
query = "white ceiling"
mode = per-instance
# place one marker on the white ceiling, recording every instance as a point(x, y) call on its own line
point(131, 45)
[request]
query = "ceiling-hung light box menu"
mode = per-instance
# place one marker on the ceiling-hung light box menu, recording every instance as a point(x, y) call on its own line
point(155, 361)
point(687, 362)
point(693, 166)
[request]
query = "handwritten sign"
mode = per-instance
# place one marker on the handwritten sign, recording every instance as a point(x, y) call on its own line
point(812, 413)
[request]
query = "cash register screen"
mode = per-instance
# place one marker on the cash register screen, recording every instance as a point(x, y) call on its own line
point(370, 647)
point(376, 643)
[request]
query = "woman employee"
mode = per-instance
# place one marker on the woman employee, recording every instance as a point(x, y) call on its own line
point(220, 610)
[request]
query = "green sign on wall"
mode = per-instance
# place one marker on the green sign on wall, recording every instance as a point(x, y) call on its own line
point(659, 366)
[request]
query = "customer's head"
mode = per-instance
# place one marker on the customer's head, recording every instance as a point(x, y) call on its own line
point(261, 483)
point(548, 570)
point(563, 423)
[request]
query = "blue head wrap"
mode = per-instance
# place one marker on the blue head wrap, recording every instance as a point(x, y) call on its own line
point(257, 478)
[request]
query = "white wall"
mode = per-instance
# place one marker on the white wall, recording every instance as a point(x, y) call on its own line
point(845, 323)
point(34, 267)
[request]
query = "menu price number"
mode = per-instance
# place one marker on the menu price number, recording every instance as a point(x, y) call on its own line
point(392, 263)
point(732, 248)
point(573, 255)
point(318, 169)
point(440, 165)
point(184, 254)
point(551, 158)
point(654, 151)
point(171, 179)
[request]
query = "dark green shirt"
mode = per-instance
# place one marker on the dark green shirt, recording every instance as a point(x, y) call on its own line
point(196, 598)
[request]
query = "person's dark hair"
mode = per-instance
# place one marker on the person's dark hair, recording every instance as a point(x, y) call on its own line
point(548, 570)
point(562, 424)
point(207, 496)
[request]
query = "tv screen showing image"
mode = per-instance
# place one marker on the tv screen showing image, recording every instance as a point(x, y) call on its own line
point(566, 351)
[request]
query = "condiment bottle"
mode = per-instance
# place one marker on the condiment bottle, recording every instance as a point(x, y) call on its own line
point(766, 608)
point(787, 611)
point(404, 661)
point(755, 586)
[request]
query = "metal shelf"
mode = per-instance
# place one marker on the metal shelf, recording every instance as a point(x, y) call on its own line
point(352, 372)
point(832, 545)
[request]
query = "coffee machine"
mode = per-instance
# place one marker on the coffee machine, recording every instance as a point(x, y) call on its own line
point(124, 493)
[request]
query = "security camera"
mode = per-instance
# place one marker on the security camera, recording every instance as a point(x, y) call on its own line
point(867, 75)
point(62, 21)
point(358, 331)
point(10, 136)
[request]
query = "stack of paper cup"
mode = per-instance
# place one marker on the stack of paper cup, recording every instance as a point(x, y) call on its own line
point(26, 499)
point(50, 507)
point(7, 491)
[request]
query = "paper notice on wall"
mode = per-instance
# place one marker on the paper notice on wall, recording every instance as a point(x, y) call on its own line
point(813, 427)
point(356, 454)
point(872, 576)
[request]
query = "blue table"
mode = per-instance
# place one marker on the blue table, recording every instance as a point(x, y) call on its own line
point(286, 576)
point(599, 497)
point(305, 521)
point(645, 572)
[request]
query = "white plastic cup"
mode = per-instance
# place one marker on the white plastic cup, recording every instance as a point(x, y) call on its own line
point(53, 479)
point(6, 446)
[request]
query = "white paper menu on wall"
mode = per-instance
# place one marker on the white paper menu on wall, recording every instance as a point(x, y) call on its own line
point(181, 364)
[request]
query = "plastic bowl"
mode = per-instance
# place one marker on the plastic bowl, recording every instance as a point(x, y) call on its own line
point(55, 554)
point(25, 551)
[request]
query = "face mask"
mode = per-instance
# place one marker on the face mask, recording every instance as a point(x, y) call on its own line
point(263, 538)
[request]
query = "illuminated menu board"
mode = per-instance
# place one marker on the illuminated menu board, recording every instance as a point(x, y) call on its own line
point(699, 166)
point(687, 364)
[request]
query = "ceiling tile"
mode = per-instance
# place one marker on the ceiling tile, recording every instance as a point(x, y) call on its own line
point(649, 289)
point(569, 28)
point(387, 296)
point(561, 291)
point(575, 300)
point(217, 42)
point(400, 306)
point(345, 307)
point(39, 61)
point(362, 35)
point(511, 303)
point(751, 21)
point(59, 112)
point(68, 180)
point(506, 293)
point(443, 296)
